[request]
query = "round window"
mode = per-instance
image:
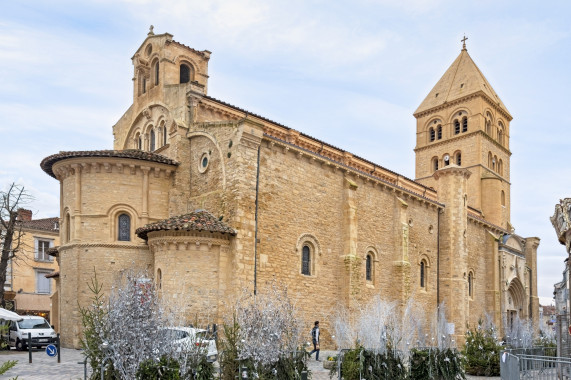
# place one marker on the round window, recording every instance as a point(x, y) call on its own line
point(203, 163)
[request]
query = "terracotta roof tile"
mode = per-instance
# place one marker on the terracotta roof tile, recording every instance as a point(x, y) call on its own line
point(46, 224)
point(199, 220)
point(136, 154)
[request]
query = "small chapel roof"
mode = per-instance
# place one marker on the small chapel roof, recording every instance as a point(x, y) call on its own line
point(48, 162)
point(462, 78)
point(199, 220)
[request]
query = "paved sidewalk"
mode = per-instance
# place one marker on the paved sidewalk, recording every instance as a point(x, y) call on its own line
point(44, 367)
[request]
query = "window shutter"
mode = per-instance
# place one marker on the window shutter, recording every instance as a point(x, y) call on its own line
point(36, 248)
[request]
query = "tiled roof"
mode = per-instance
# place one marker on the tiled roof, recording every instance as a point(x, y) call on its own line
point(52, 275)
point(462, 78)
point(46, 224)
point(136, 154)
point(199, 220)
point(188, 47)
point(323, 143)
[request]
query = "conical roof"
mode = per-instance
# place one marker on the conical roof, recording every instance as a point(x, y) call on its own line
point(462, 78)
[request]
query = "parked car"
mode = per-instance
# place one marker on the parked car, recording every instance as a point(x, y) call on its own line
point(42, 333)
point(192, 339)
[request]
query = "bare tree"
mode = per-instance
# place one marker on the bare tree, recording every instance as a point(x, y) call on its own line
point(11, 200)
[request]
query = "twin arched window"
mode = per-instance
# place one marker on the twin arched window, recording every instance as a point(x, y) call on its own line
point(456, 127)
point(124, 227)
point(464, 124)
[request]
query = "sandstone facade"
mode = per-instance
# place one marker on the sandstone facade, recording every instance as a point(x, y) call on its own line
point(335, 228)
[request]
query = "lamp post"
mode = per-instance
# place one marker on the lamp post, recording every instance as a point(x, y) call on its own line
point(105, 349)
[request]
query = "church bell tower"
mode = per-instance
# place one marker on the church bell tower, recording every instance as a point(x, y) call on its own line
point(463, 122)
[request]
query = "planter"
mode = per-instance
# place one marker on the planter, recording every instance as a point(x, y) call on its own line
point(328, 364)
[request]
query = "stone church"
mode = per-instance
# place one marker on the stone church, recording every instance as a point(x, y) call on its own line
point(212, 199)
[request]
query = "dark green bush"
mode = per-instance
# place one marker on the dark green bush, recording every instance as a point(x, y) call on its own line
point(482, 352)
point(433, 363)
point(360, 363)
point(165, 369)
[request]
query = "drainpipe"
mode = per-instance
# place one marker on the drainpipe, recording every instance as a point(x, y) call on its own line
point(256, 226)
point(438, 260)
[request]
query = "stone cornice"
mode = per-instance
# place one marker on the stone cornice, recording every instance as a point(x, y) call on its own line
point(387, 179)
point(454, 170)
point(72, 245)
point(477, 220)
point(69, 167)
point(164, 240)
point(489, 171)
point(463, 99)
point(463, 136)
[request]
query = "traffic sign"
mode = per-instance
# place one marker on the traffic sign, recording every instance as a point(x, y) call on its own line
point(51, 350)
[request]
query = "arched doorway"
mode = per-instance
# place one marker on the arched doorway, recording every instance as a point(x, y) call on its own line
point(515, 306)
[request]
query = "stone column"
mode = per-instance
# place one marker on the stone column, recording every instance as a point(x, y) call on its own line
point(452, 185)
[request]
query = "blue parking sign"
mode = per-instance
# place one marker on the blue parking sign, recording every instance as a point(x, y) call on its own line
point(51, 350)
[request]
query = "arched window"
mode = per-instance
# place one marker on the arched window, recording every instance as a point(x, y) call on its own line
point(490, 158)
point(470, 285)
point(503, 198)
point(140, 142)
point(464, 124)
point(164, 135)
point(67, 228)
point(156, 67)
point(446, 160)
point(501, 167)
point(439, 132)
point(456, 127)
point(459, 159)
point(369, 267)
point(435, 163)
point(124, 228)
point(489, 123)
point(306, 261)
point(422, 274)
point(184, 73)
point(159, 279)
point(152, 140)
point(432, 134)
point(494, 162)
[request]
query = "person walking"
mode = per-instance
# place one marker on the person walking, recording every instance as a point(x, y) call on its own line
point(315, 339)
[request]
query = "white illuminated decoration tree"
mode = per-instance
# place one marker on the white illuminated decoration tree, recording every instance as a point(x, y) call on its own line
point(269, 328)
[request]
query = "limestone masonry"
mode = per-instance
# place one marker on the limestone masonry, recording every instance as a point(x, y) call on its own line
point(212, 199)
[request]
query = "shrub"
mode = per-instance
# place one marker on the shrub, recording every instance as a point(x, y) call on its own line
point(359, 363)
point(434, 363)
point(165, 369)
point(482, 351)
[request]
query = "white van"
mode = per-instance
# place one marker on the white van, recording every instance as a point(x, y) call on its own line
point(42, 332)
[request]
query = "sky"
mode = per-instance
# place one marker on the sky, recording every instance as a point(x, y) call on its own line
point(350, 73)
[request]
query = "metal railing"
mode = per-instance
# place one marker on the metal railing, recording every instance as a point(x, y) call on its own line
point(534, 363)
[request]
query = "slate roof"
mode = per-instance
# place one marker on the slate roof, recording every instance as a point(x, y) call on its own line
point(48, 162)
point(462, 78)
point(46, 224)
point(199, 220)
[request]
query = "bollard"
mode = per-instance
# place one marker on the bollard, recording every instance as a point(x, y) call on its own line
point(58, 350)
point(303, 375)
point(84, 368)
point(30, 347)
